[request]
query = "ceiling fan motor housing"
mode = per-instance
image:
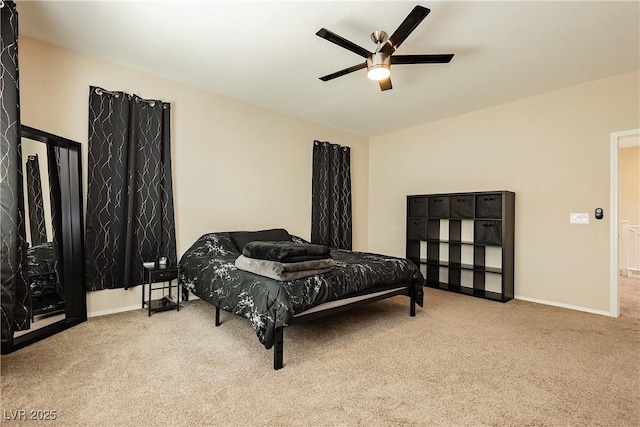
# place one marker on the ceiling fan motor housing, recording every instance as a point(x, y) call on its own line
point(377, 60)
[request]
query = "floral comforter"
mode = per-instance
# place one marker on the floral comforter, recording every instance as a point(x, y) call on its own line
point(207, 269)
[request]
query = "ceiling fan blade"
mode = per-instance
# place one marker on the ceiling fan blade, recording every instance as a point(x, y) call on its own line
point(408, 25)
point(385, 84)
point(422, 59)
point(342, 42)
point(343, 72)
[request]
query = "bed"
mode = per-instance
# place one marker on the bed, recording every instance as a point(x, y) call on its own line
point(208, 270)
point(47, 294)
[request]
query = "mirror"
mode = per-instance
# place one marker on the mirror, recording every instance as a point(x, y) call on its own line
point(46, 286)
point(53, 227)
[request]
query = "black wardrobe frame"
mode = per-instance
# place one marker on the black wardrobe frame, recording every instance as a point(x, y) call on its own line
point(71, 246)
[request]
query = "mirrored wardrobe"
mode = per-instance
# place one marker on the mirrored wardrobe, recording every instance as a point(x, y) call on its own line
point(53, 224)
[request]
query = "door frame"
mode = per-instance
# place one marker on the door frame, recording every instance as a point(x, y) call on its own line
point(614, 265)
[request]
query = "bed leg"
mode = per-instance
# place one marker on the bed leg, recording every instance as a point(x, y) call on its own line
point(412, 302)
point(278, 349)
point(217, 316)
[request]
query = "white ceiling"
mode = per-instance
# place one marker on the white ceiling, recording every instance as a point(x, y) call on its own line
point(267, 54)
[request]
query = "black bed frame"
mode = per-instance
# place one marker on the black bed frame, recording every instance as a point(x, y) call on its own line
point(398, 289)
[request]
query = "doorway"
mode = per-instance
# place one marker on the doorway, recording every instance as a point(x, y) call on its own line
point(624, 208)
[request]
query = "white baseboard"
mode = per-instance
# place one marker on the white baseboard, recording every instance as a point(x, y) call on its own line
point(562, 305)
point(123, 309)
point(113, 310)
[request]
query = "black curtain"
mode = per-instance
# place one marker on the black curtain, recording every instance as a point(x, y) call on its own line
point(15, 301)
point(130, 215)
point(331, 195)
point(55, 197)
point(35, 201)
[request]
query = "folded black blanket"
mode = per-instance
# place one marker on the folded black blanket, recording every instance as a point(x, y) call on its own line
point(286, 251)
point(284, 271)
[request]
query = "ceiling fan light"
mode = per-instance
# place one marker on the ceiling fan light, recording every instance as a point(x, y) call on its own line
point(378, 72)
point(378, 66)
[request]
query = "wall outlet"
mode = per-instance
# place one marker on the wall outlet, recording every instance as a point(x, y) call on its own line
point(579, 218)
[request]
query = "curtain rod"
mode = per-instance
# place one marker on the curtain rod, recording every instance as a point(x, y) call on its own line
point(334, 146)
point(100, 91)
point(151, 102)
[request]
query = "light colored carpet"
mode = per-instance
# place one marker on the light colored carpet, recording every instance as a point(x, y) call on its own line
point(460, 361)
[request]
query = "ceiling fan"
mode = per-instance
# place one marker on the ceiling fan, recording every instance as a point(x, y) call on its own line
point(378, 63)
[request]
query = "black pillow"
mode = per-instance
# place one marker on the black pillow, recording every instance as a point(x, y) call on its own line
point(241, 238)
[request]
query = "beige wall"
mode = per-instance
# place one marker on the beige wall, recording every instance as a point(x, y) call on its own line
point(629, 184)
point(552, 150)
point(238, 166)
point(235, 166)
point(629, 205)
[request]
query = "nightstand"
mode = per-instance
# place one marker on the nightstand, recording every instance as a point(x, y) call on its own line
point(165, 275)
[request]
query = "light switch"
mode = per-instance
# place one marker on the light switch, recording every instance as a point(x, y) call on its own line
point(579, 218)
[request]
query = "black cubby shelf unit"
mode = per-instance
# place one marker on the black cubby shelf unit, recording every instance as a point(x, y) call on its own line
point(464, 242)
